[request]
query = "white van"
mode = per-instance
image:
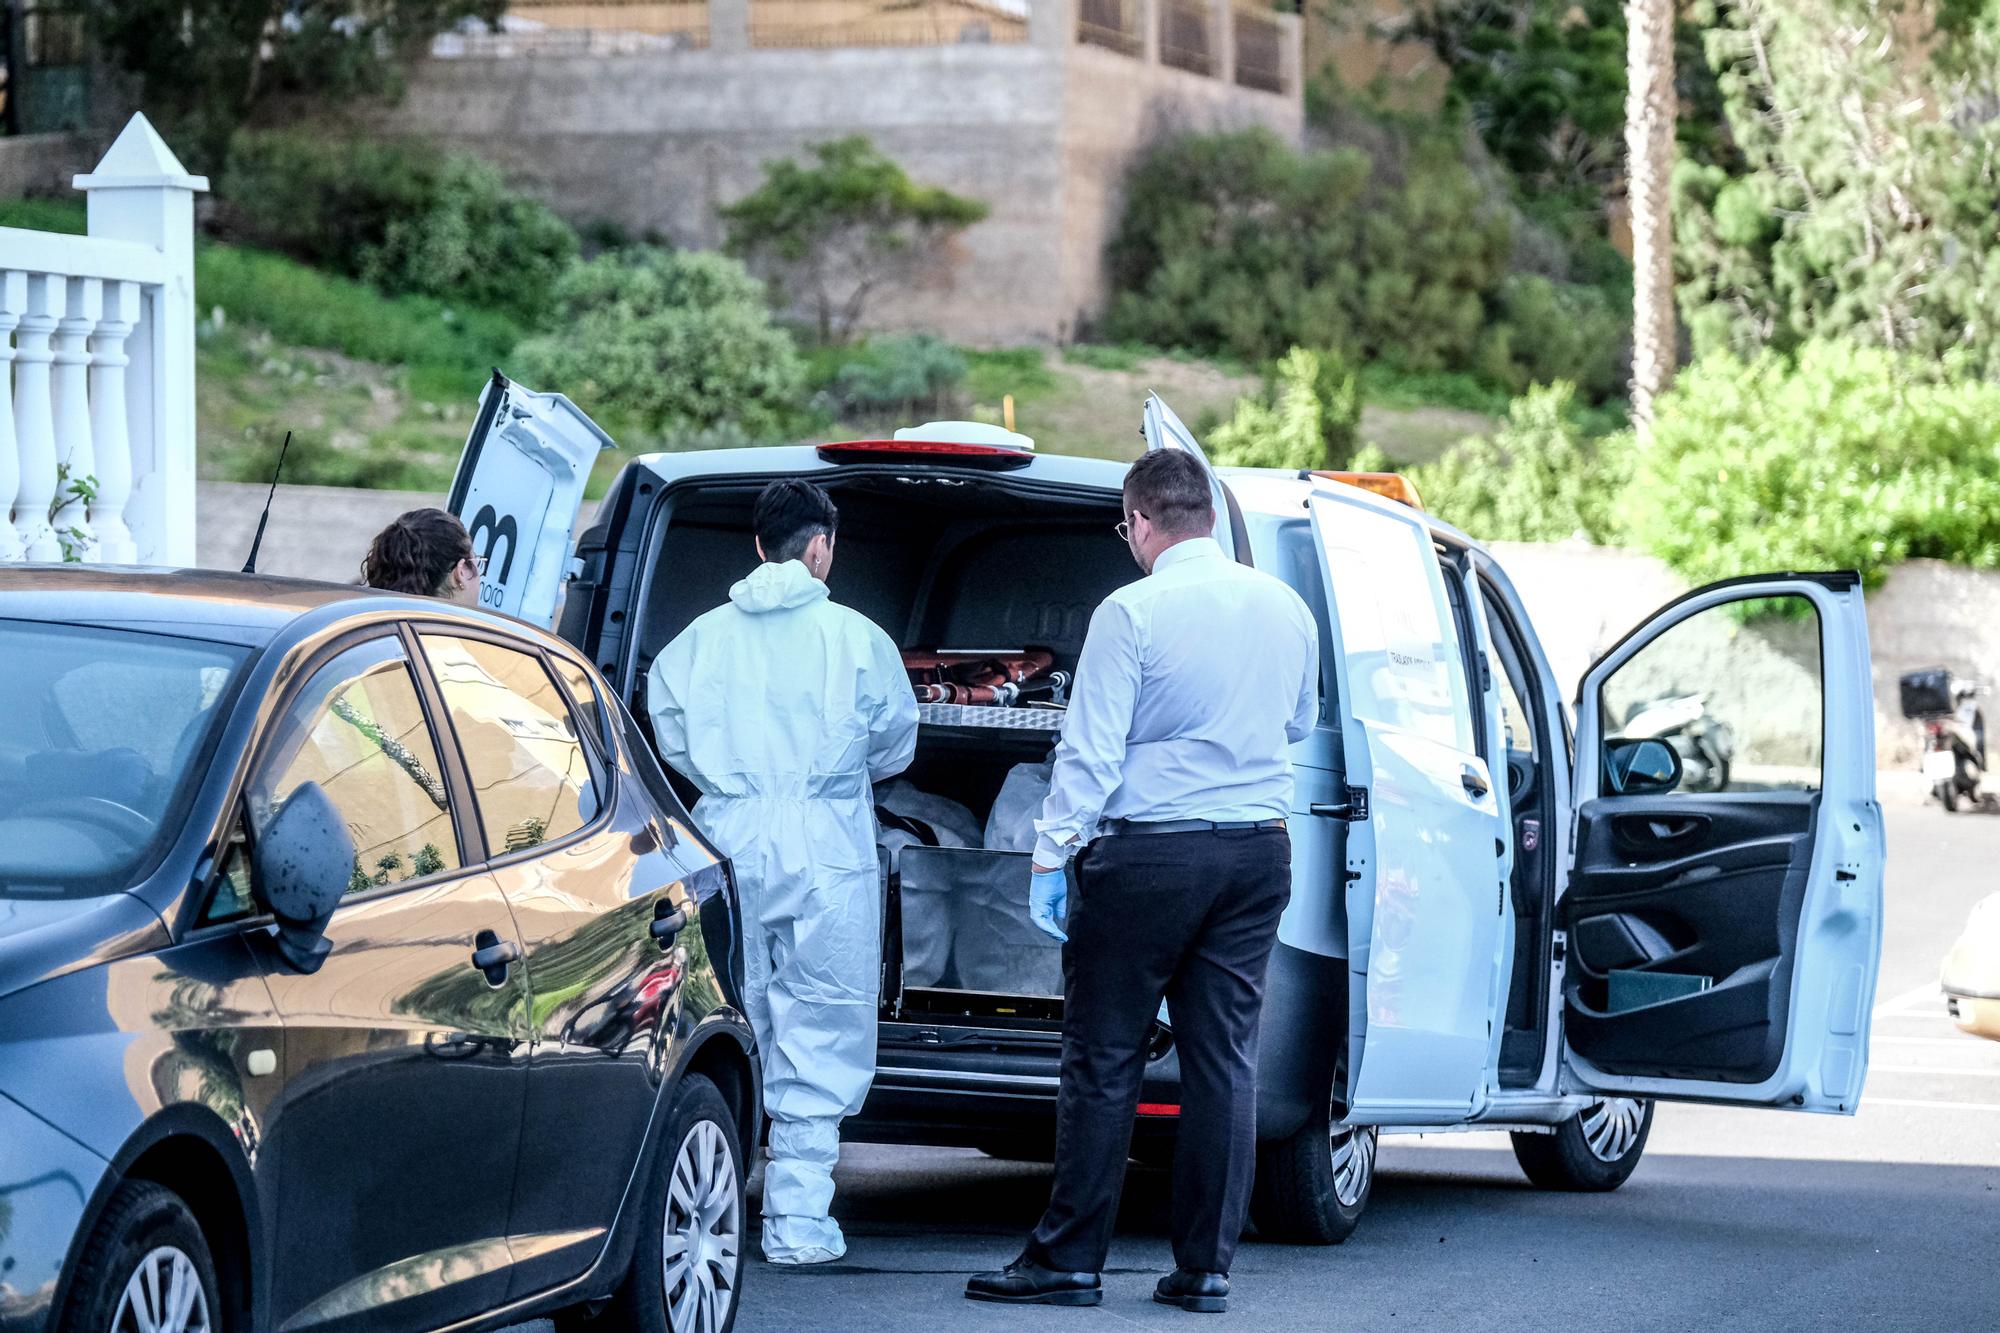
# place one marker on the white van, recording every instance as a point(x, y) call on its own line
point(1497, 922)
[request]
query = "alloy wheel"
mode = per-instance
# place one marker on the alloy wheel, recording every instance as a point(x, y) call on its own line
point(164, 1294)
point(1611, 1127)
point(702, 1244)
point(1353, 1162)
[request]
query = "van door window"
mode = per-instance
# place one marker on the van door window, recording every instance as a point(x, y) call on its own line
point(1403, 666)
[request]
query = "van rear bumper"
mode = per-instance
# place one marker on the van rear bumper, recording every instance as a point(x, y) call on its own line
point(962, 1100)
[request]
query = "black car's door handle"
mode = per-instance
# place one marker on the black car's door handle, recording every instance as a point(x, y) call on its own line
point(1474, 781)
point(493, 954)
point(668, 922)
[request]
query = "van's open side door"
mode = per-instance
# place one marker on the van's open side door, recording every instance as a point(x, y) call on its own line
point(518, 490)
point(1426, 897)
point(1724, 909)
point(1164, 430)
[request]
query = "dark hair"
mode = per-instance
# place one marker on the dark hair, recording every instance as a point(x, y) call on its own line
point(1169, 487)
point(789, 514)
point(417, 553)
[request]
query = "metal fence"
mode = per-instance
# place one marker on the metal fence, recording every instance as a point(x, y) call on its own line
point(1112, 24)
point(1260, 50)
point(817, 23)
point(1186, 36)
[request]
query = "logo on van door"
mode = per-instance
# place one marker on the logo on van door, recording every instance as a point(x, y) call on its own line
point(490, 522)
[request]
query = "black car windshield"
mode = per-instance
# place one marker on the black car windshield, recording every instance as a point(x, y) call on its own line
point(100, 733)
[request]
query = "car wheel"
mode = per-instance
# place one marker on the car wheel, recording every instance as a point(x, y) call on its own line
point(1595, 1149)
point(1313, 1187)
point(145, 1269)
point(687, 1272)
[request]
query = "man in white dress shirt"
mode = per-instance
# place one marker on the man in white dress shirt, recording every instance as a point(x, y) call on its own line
point(1168, 805)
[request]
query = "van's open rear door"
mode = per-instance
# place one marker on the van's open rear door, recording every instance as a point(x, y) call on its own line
point(1164, 430)
point(518, 490)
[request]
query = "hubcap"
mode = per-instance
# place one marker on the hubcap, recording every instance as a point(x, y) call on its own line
point(163, 1295)
point(701, 1247)
point(1611, 1127)
point(1353, 1162)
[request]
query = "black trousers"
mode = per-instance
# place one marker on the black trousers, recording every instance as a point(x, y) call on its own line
point(1191, 917)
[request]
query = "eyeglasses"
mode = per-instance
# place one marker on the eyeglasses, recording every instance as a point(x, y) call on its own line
point(478, 562)
point(1124, 529)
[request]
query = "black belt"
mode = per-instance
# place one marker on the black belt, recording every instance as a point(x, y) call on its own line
point(1125, 826)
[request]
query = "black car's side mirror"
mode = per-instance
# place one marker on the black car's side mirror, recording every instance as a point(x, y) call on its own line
point(299, 869)
point(1641, 768)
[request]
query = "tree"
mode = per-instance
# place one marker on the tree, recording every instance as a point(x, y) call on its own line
point(834, 234)
point(1862, 198)
point(204, 66)
point(1312, 418)
point(1650, 110)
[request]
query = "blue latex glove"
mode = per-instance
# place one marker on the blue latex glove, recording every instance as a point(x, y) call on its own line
point(1048, 902)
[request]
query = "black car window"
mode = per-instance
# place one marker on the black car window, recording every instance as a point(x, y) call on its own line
point(104, 733)
point(522, 747)
point(358, 730)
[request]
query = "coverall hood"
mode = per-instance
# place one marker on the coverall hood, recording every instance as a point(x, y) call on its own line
point(777, 585)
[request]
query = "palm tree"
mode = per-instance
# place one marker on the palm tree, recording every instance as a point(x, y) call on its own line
point(1650, 111)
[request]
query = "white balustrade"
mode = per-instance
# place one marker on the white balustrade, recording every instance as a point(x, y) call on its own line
point(97, 386)
point(13, 296)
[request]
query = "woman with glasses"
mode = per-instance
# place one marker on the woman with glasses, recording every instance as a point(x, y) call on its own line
point(426, 552)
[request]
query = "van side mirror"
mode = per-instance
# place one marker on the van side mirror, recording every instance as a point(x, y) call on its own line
point(1647, 767)
point(300, 868)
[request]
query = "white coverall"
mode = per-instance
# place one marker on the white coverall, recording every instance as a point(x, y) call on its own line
point(783, 707)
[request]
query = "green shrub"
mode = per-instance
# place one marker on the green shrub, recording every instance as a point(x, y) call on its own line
point(1842, 457)
point(1238, 243)
point(1546, 331)
point(1307, 419)
point(677, 342)
point(1107, 356)
point(401, 215)
point(1538, 479)
point(901, 377)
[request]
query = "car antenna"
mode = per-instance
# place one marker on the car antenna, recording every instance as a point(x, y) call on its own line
point(257, 542)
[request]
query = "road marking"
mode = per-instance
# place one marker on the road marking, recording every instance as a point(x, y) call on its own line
point(1925, 1069)
point(1940, 1106)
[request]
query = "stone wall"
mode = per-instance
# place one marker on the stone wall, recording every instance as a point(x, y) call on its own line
point(1041, 131)
point(43, 164)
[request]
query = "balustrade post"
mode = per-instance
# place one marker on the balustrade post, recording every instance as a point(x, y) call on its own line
point(111, 438)
point(69, 396)
point(141, 192)
point(34, 421)
point(13, 301)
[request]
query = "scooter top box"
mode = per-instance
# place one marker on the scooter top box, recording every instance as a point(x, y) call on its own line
point(1926, 693)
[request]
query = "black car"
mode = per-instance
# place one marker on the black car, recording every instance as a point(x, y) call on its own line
point(359, 969)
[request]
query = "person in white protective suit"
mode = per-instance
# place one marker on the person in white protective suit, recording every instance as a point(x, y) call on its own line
point(784, 707)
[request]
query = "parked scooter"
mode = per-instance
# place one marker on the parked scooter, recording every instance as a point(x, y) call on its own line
point(1705, 744)
point(1954, 756)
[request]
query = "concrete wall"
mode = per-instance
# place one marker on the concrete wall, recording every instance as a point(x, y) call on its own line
point(43, 164)
point(1042, 131)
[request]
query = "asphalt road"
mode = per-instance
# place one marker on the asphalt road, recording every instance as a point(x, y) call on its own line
point(1735, 1219)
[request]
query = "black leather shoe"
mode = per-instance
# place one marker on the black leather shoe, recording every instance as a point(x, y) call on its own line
point(1203, 1293)
point(1023, 1283)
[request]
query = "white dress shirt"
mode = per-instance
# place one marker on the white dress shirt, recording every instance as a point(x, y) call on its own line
point(1193, 684)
